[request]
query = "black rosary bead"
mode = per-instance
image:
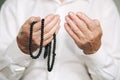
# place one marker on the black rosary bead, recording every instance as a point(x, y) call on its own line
point(41, 42)
point(30, 39)
point(50, 67)
point(47, 51)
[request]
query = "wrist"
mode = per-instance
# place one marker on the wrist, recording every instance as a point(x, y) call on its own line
point(93, 50)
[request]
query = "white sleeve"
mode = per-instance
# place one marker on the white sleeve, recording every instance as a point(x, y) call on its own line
point(105, 63)
point(12, 61)
point(102, 66)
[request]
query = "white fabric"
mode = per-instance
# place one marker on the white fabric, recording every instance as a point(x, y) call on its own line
point(71, 63)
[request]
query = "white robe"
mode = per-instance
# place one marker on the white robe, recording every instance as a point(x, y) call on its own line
point(70, 62)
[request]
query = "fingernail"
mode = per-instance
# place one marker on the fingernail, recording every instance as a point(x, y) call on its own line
point(67, 18)
point(78, 13)
point(71, 13)
point(57, 16)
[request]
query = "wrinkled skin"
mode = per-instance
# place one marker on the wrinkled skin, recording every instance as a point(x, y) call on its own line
point(84, 31)
point(51, 26)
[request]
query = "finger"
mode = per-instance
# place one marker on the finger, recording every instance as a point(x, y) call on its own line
point(26, 26)
point(81, 25)
point(52, 23)
point(87, 20)
point(98, 28)
point(32, 19)
point(47, 41)
point(58, 26)
point(71, 33)
point(52, 31)
point(49, 18)
point(47, 35)
point(36, 37)
point(73, 27)
point(57, 29)
point(28, 23)
point(97, 23)
point(37, 27)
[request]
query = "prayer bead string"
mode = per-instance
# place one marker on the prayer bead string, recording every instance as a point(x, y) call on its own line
point(47, 51)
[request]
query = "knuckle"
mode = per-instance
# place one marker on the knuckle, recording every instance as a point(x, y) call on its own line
point(77, 33)
point(91, 23)
point(76, 30)
point(97, 22)
point(86, 40)
point(46, 30)
point(99, 33)
point(91, 38)
point(50, 34)
point(81, 14)
point(31, 18)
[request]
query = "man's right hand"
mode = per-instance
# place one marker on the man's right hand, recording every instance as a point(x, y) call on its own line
point(51, 26)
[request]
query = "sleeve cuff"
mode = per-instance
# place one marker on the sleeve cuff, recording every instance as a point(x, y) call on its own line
point(100, 58)
point(16, 56)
